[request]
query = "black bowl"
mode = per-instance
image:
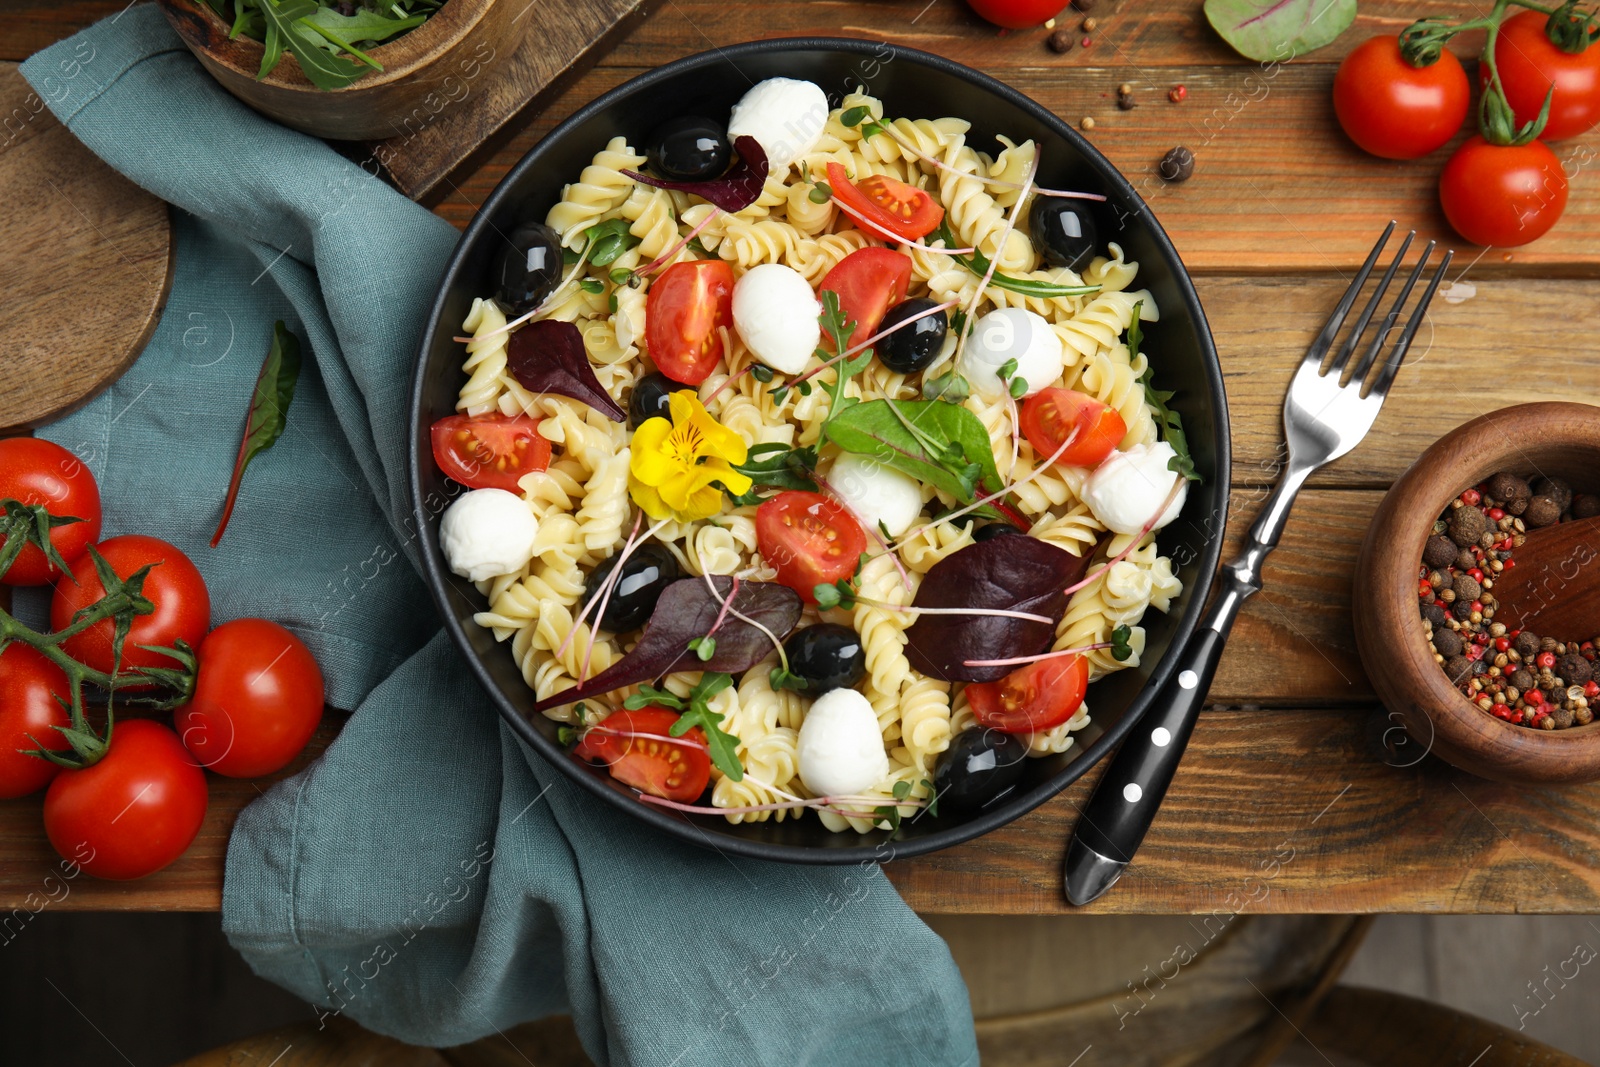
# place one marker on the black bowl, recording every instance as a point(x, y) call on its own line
point(914, 84)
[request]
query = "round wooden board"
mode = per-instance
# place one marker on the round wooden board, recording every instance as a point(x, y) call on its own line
point(85, 264)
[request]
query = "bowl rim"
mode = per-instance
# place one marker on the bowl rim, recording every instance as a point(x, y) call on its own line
point(1434, 712)
point(869, 851)
point(242, 55)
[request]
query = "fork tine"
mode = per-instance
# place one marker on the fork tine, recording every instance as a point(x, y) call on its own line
point(1385, 376)
point(1330, 329)
point(1359, 374)
point(1336, 368)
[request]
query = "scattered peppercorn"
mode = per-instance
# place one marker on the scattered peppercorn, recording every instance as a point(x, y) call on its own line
point(1088, 25)
point(1542, 511)
point(1060, 40)
point(1447, 643)
point(1440, 551)
point(1177, 94)
point(1585, 505)
point(1458, 669)
point(1527, 645)
point(1177, 165)
point(1556, 489)
point(1574, 668)
point(1467, 587)
point(1125, 99)
point(1511, 492)
point(1467, 524)
point(1086, 123)
point(1083, 5)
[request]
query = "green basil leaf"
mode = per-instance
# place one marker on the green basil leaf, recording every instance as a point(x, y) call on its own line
point(1281, 30)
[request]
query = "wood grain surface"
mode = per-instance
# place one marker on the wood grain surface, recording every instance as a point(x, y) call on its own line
point(69, 221)
point(1290, 798)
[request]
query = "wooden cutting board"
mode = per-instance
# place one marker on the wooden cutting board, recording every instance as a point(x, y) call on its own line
point(85, 264)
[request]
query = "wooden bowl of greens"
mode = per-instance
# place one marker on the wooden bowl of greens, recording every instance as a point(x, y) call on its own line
point(349, 69)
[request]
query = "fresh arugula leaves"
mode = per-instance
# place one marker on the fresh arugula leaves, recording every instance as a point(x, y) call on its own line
point(323, 40)
point(782, 468)
point(696, 711)
point(978, 265)
point(1169, 421)
point(608, 240)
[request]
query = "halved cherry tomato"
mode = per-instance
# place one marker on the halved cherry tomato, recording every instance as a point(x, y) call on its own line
point(489, 451)
point(809, 539)
point(36, 471)
point(903, 210)
point(685, 307)
point(1039, 696)
point(869, 282)
point(1050, 415)
point(673, 770)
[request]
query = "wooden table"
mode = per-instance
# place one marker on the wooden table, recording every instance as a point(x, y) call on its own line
point(1293, 796)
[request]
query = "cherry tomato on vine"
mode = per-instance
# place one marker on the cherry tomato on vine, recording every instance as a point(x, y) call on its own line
point(1530, 63)
point(1051, 414)
point(29, 686)
point(869, 282)
point(35, 471)
point(1038, 696)
point(683, 311)
point(809, 539)
point(673, 770)
point(174, 586)
point(1392, 109)
point(1017, 14)
point(903, 210)
point(133, 812)
point(489, 451)
point(1503, 195)
point(257, 699)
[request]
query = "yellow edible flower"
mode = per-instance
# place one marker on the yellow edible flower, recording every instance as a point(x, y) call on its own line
point(674, 463)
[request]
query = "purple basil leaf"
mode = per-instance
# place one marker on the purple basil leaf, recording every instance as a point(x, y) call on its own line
point(735, 190)
point(1010, 573)
point(685, 611)
point(548, 357)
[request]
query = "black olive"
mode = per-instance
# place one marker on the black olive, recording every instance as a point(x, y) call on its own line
point(980, 766)
point(993, 530)
point(648, 572)
point(689, 149)
point(1063, 232)
point(650, 398)
point(910, 348)
point(530, 267)
point(827, 655)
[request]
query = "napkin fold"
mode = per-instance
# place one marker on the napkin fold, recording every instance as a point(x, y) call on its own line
point(428, 876)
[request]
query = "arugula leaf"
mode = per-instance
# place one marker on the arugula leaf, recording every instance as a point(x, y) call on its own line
point(720, 744)
point(608, 240)
point(1169, 421)
point(324, 70)
point(977, 264)
point(1268, 30)
point(268, 414)
point(933, 441)
point(784, 468)
point(366, 25)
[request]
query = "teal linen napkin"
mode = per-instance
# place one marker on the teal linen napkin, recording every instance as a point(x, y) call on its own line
point(428, 876)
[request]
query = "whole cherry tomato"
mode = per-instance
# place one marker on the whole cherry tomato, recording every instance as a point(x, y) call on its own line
point(29, 711)
point(1502, 195)
point(1017, 14)
point(257, 699)
point(174, 586)
point(133, 812)
point(1395, 110)
point(1530, 63)
point(35, 471)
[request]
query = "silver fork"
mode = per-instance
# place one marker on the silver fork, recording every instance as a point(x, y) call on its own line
point(1325, 415)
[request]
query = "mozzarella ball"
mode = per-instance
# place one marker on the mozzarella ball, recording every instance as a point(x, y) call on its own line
point(840, 746)
point(1125, 490)
point(776, 312)
point(784, 115)
point(486, 533)
point(876, 493)
point(1007, 334)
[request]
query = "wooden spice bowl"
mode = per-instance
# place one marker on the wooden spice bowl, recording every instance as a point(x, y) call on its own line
point(1557, 439)
point(425, 70)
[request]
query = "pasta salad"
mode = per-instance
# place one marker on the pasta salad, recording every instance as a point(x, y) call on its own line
point(814, 464)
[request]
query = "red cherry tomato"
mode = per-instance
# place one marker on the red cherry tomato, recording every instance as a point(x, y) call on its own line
point(34, 471)
point(135, 811)
point(174, 586)
point(685, 307)
point(1017, 14)
point(257, 699)
point(869, 282)
point(673, 770)
point(1530, 63)
point(1050, 415)
point(809, 539)
point(903, 210)
point(489, 451)
point(1039, 696)
point(1395, 110)
point(29, 685)
point(1502, 195)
